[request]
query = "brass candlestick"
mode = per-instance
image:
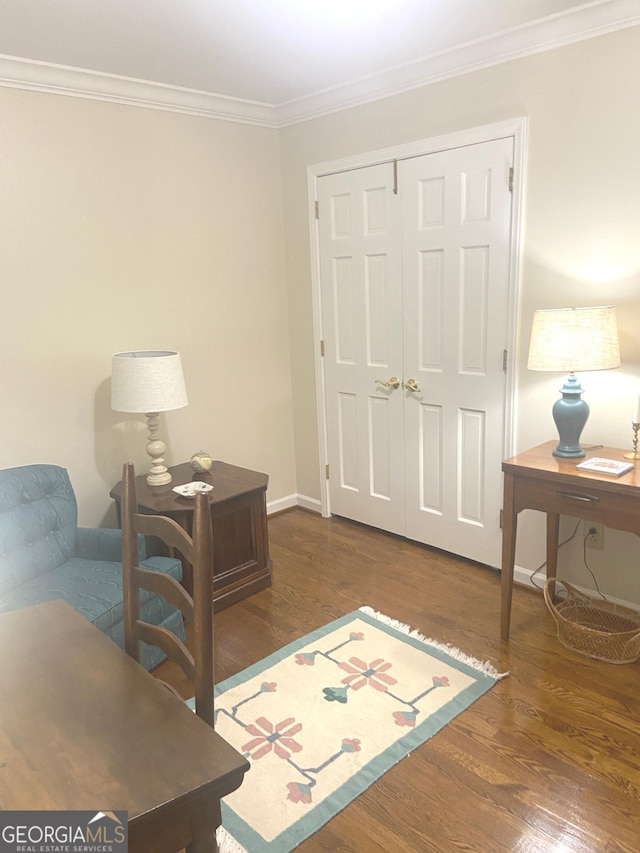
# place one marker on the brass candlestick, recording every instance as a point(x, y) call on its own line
point(634, 453)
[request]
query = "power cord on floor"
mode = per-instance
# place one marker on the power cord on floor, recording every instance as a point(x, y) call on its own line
point(584, 557)
point(542, 565)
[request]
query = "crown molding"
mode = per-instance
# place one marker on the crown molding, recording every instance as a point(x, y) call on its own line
point(52, 79)
point(585, 22)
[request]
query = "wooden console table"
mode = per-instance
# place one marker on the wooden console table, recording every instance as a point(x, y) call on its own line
point(241, 562)
point(84, 727)
point(536, 479)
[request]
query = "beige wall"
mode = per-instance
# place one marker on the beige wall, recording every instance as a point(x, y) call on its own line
point(581, 246)
point(125, 228)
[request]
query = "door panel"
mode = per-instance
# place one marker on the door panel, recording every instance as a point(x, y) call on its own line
point(380, 457)
point(471, 470)
point(347, 437)
point(474, 263)
point(430, 458)
point(362, 325)
point(430, 296)
point(455, 302)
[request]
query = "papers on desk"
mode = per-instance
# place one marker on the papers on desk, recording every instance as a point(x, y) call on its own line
point(190, 490)
point(605, 466)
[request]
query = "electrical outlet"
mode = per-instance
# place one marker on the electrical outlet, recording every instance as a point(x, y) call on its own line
point(595, 535)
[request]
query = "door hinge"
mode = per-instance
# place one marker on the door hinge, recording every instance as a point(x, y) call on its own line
point(501, 519)
point(395, 177)
point(322, 348)
point(317, 209)
point(505, 357)
point(510, 180)
point(326, 471)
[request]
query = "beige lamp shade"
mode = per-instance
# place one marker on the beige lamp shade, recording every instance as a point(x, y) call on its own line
point(147, 381)
point(574, 339)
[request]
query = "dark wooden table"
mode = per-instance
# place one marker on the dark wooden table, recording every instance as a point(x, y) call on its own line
point(241, 561)
point(85, 727)
point(536, 479)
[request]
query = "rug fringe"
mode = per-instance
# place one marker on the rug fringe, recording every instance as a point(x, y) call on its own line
point(227, 843)
point(484, 667)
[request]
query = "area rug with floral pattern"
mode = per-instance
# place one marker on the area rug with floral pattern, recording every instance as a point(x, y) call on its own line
point(324, 717)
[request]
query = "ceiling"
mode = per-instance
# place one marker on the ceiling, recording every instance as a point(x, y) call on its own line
point(278, 61)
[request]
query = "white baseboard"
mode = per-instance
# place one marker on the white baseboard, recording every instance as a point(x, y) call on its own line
point(281, 504)
point(293, 500)
point(310, 503)
point(523, 576)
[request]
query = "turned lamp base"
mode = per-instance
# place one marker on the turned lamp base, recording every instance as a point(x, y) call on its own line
point(158, 474)
point(570, 414)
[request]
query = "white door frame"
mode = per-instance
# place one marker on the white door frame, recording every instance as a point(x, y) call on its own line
point(514, 128)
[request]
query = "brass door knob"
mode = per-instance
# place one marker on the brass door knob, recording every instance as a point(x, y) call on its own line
point(393, 382)
point(411, 385)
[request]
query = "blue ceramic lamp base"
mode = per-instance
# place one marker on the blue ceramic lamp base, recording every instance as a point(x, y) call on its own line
point(570, 414)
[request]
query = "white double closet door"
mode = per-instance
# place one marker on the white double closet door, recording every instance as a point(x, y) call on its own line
point(414, 267)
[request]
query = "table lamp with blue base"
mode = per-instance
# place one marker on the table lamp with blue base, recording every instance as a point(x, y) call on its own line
point(573, 339)
point(570, 414)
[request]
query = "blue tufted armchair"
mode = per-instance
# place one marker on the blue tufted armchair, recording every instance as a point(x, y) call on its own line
point(44, 555)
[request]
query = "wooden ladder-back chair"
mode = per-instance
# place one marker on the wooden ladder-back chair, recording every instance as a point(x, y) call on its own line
point(197, 610)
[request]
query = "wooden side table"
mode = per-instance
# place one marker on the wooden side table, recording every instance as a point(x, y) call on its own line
point(241, 561)
point(536, 479)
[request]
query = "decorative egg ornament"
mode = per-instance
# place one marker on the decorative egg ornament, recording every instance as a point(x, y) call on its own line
point(201, 462)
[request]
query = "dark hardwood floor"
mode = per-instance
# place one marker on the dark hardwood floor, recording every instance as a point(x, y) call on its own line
point(548, 761)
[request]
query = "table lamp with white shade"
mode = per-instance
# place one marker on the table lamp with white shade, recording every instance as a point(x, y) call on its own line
point(573, 339)
point(149, 382)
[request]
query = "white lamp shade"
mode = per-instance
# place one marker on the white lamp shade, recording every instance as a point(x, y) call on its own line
point(147, 381)
point(574, 339)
